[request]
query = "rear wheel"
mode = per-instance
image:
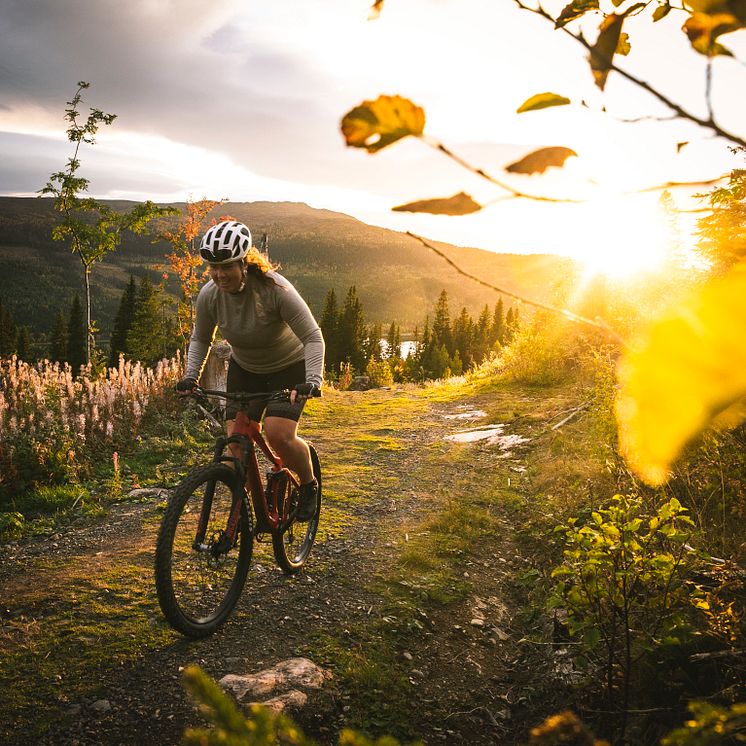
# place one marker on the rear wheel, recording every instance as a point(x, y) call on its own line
point(293, 544)
point(199, 583)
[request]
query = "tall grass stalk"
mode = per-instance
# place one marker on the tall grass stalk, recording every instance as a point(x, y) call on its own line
point(53, 425)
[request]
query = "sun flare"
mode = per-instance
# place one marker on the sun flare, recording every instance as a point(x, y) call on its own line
point(623, 235)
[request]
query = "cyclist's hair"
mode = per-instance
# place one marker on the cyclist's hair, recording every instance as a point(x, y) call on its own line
point(259, 265)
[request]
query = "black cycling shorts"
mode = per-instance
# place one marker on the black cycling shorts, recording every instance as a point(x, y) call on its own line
point(245, 381)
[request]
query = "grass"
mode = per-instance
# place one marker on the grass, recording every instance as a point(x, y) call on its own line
point(382, 446)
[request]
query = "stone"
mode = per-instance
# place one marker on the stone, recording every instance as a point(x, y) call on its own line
point(146, 493)
point(359, 383)
point(292, 700)
point(101, 705)
point(477, 622)
point(294, 672)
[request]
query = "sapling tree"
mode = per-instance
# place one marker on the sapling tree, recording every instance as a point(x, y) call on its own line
point(91, 228)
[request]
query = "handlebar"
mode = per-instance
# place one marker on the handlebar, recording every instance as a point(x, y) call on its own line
point(245, 397)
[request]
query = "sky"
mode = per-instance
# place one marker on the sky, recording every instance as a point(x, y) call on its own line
point(242, 99)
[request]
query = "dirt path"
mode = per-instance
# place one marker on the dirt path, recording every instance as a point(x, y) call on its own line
point(422, 636)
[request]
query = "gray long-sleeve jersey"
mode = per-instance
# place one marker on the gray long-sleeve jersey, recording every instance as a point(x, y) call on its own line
point(268, 325)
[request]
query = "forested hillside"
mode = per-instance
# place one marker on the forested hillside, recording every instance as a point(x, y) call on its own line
point(396, 278)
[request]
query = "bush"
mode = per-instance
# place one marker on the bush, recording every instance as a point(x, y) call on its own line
point(542, 353)
point(379, 372)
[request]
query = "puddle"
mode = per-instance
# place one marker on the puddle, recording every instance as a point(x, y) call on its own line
point(475, 434)
point(471, 415)
point(493, 436)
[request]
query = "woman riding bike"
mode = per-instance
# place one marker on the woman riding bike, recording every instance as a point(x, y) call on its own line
point(275, 343)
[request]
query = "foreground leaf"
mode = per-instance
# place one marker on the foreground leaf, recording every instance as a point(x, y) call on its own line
point(575, 10)
point(542, 101)
point(602, 52)
point(661, 12)
point(375, 10)
point(540, 160)
point(703, 30)
point(623, 47)
point(459, 204)
point(375, 124)
point(685, 369)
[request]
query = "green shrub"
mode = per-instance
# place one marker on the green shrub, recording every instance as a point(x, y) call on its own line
point(11, 526)
point(542, 353)
point(379, 372)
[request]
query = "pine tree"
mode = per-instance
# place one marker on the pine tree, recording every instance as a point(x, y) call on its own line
point(77, 337)
point(329, 324)
point(393, 342)
point(497, 333)
point(123, 323)
point(60, 339)
point(482, 335)
point(8, 332)
point(463, 341)
point(442, 323)
point(152, 334)
point(508, 334)
point(23, 344)
point(352, 331)
point(372, 348)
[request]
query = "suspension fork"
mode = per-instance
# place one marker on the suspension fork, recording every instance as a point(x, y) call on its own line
point(239, 493)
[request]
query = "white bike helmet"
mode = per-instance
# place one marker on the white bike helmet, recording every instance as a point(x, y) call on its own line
point(225, 242)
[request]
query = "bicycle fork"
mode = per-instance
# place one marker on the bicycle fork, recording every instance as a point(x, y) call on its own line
point(229, 535)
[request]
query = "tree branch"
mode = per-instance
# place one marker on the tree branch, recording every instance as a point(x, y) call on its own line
point(708, 123)
point(598, 323)
point(480, 172)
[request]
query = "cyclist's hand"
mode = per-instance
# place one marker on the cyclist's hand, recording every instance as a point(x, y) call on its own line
point(303, 391)
point(186, 386)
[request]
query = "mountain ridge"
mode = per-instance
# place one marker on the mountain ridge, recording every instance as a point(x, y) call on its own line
point(396, 278)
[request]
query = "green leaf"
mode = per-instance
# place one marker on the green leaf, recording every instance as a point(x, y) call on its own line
point(540, 160)
point(575, 10)
point(375, 124)
point(602, 52)
point(661, 12)
point(685, 368)
point(459, 204)
point(542, 101)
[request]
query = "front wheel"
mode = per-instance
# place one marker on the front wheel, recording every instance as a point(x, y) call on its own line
point(199, 575)
point(293, 543)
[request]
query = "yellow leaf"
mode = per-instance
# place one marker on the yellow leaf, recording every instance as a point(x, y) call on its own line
point(623, 47)
point(542, 101)
point(683, 370)
point(375, 124)
point(574, 10)
point(703, 30)
point(540, 160)
point(375, 10)
point(459, 204)
point(602, 52)
point(661, 12)
point(712, 7)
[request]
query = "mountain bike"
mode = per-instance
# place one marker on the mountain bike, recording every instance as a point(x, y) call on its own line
point(206, 537)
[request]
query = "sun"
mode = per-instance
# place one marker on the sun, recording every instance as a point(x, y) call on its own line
point(620, 236)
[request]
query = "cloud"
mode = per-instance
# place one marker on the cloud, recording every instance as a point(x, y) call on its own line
point(177, 69)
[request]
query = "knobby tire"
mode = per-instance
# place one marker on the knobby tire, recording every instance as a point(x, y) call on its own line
point(293, 545)
point(198, 589)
